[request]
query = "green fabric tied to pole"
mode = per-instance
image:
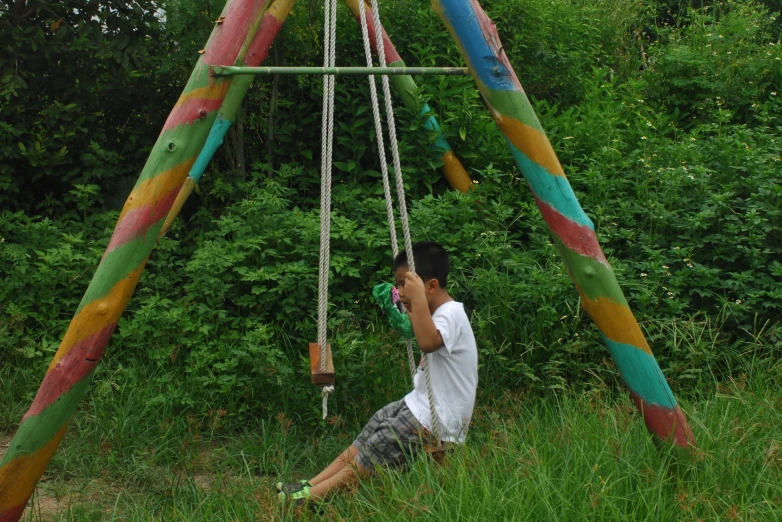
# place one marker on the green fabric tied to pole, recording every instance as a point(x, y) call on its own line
point(383, 294)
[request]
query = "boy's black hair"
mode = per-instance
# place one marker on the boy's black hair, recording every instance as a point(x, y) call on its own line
point(431, 261)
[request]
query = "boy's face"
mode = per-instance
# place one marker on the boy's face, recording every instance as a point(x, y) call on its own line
point(430, 286)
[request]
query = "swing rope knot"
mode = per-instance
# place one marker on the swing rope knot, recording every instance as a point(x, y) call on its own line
point(324, 392)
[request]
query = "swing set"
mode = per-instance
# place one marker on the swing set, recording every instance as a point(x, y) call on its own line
point(195, 129)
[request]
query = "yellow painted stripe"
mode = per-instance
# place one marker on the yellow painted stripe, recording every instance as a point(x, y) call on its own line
point(24, 472)
point(615, 320)
point(533, 143)
point(100, 313)
point(280, 9)
point(156, 187)
point(354, 8)
point(454, 172)
point(210, 92)
point(176, 208)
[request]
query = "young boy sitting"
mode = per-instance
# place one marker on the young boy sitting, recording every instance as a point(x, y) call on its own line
point(398, 431)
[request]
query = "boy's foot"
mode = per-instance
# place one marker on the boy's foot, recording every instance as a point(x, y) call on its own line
point(297, 498)
point(292, 487)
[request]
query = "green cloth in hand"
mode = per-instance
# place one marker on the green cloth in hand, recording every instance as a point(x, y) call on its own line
point(399, 321)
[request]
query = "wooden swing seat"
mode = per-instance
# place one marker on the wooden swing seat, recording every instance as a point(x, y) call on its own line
point(318, 376)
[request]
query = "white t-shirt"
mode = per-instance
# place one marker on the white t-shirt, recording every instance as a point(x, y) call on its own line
point(454, 371)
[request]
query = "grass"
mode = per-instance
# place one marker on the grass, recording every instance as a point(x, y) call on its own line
point(562, 458)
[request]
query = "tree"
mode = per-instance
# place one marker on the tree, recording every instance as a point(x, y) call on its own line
point(80, 100)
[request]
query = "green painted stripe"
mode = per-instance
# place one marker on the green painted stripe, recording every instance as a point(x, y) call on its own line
point(594, 278)
point(198, 78)
point(405, 88)
point(233, 98)
point(35, 432)
point(118, 264)
point(188, 142)
point(514, 104)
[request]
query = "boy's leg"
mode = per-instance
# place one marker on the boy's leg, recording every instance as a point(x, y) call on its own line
point(387, 440)
point(348, 457)
point(345, 459)
point(347, 475)
point(379, 443)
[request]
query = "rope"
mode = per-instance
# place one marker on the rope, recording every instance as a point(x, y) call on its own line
point(381, 150)
point(327, 145)
point(400, 188)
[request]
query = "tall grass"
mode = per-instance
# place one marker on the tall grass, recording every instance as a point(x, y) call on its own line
point(564, 457)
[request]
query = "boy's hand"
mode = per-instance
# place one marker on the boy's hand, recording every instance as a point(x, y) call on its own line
point(426, 333)
point(414, 288)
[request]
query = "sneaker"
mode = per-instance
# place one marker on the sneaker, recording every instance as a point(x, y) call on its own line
point(292, 487)
point(297, 498)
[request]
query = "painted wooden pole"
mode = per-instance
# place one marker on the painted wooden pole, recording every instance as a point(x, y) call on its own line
point(405, 87)
point(68, 377)
point(271, 23)
point(573, 232)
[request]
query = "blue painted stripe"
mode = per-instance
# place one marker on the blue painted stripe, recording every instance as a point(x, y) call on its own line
point(553, 190)
point(461, 16)
point(213, 141)
point(431, 123)
point(642, 374)
point(440, 145)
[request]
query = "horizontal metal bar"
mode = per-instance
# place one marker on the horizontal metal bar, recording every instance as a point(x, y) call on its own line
point(337, 71)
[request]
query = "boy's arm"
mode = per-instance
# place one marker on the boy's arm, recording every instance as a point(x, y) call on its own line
point(426, 333)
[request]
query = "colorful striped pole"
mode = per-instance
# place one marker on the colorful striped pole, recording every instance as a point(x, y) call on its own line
point(405, 87)
point(271, 23)
point(68, 377)
point(572, 230)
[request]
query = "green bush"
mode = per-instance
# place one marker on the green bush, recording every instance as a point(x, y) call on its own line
point(725, 58)
point(687, 211)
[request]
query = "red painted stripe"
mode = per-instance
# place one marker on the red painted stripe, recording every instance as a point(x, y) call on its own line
point(667, 424)
point(138, 221)
point(259, 48)
point(224, 46)
point(77, 364)
point(388, 46)
point(13, 514)
point(576, 237)
point(192, 110)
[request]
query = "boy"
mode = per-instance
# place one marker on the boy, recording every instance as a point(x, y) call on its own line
point(397, 431)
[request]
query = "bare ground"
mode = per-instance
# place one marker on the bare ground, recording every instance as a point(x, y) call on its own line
point(54, 498)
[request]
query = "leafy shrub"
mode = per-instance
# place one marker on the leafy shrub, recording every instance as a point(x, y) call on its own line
point(687, 211)
point(724, 58)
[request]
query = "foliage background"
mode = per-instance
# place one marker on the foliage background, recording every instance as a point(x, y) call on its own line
point(665, 115)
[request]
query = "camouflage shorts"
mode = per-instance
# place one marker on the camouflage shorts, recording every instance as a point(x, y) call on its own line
point(391, 438)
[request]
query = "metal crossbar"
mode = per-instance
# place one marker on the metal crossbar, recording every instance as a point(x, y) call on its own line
point(339, 71)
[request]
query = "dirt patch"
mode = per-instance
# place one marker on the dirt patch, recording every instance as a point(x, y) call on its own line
point(45, 507)
point(53, 499)
point(56, 499)
point(203, 482)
